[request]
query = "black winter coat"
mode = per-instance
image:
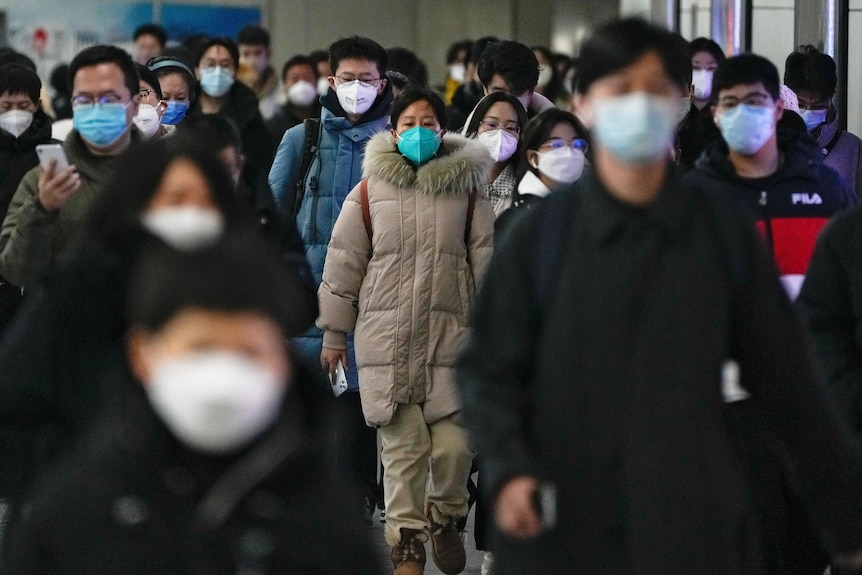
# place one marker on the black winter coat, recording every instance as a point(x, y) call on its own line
point(606, 381)
point(17, 157)
point(831, 299)
point(133, 500)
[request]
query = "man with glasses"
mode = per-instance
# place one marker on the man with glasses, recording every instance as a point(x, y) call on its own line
point(778, 178)
point(50, 205)
point(513, 68)
point(317, 163)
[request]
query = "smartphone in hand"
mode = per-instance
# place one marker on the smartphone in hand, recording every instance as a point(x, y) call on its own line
point(48, 152)
point(339, 382)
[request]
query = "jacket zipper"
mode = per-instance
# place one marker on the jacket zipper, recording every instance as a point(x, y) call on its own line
point(767, 223)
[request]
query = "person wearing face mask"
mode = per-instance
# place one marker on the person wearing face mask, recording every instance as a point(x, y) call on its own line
point(550, 83)
point(254, 51)
point(497, 123)
point(151, 106)
point(48, 208)
point(69, 330)
point(468, 94)
point(511, 67)
point(592, 378)
point(692, 136)
point(553, 157)
point(177, 84)
point(299, 78)
point(214, 453)
point(317, 164)
point(457, 57)
point(812, 75)
point(419, 219)
point(706, 55)
point(219, 93)
point(23, 126)
point(778, 177)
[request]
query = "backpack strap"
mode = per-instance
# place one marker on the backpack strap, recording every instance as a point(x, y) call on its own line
point(309, 151)
point(471, 205)
point(366, 210)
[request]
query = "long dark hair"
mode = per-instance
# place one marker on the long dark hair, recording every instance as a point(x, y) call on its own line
point(485, 104)
point(115, 217)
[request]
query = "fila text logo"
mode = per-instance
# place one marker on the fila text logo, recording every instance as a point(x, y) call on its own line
point(806, 199)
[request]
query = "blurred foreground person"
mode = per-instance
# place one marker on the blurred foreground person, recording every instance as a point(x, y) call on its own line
point(596, 400)
point(69, 330)
point(213, 463)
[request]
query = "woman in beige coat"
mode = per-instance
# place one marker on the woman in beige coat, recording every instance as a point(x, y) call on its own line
point(407, 252)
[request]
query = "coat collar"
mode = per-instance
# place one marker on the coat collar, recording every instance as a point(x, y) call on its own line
point(461, 165)
point(605, 217)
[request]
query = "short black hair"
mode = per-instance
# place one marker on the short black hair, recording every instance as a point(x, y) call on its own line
point(222, 41)
point(408, 63)
point(154, 30)
point(146, 75)
point(746, 69)
point(479, 47)
point(811, 70)
point(18, 79)
point(318, 56)
point(706, 45)
point(361, 49)
point(239, 273)
point(165, 65)
point(114, 219)
point(215, 130)
point(512, 61)
point(253, 35)
point(413, 93)
point(539, 128)
point(688, 71)
point(485, 103)
point(10, 56)
point(298, 60)
point(456, 48)
point(397, 80)
point(620, 43)
point(104, 54)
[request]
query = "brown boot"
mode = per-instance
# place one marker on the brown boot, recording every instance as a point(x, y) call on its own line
point(408, 556)
point(447, 548)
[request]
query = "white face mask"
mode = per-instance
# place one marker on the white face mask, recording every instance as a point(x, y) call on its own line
point(301, 94)
point(545, 75)
point(147, 120)
point(216, 401)
point(457, 72)
point(16, 122)
point(355, 98)
point(500, 143)
point(564, 165)
point(322, 86)
point(185, 228)
point(259, 63)
point(702, 80)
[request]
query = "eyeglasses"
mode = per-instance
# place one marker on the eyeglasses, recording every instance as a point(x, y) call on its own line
point(813, 105)
point(145, 93)
point(513, 129)
point(558, 143)
point(83, 101)
point(753, 99)
point(364, 80)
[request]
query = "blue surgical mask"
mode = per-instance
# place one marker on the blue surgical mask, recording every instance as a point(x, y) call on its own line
point(746, 128)
point(216, 81)
point(418, 144)
point(175, 112)
point(101, 124)
point(813, 118)
point(637, 128)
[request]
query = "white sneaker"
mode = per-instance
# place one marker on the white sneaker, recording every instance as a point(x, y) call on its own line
point(487, 563)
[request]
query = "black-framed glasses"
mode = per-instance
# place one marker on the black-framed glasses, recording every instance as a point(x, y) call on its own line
point(364, 79)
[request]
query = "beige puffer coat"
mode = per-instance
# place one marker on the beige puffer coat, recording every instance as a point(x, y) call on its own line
point(407, 293)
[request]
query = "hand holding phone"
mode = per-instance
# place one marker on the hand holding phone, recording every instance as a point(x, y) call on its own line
point(58, 180)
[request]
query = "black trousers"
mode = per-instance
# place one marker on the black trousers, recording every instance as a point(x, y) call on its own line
point(356, 450)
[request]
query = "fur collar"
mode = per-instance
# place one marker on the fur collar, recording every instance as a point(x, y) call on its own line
point(463, 167)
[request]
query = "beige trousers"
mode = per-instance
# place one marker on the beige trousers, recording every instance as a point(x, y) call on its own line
point(423, 464)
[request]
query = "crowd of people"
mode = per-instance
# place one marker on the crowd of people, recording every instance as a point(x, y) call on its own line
point(623, 287)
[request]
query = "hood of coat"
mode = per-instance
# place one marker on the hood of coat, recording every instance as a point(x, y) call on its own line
point(460, 165)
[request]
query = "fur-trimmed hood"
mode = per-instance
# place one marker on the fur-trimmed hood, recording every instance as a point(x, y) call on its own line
point(463, 166)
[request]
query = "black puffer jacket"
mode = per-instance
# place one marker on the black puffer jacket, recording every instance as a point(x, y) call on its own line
point(133, 500)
